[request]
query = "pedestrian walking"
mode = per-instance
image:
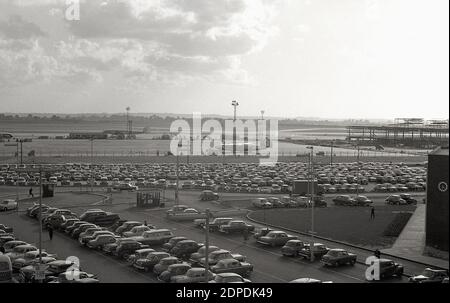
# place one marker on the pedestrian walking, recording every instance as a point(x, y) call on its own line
point(377, 253)
point(30, 192)
point(372, 213)
point(145, 223)
point(50, 231)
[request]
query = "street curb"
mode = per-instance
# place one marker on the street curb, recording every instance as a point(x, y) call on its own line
point(342, 243)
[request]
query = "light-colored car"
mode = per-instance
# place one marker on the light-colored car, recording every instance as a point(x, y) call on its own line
point(194, 275)
point(174, 270)
point(276, 238)
point(229, 278)
point(19, 251)
point(154, 237)
point(8, 204)
point(164, 264)
point(137, 231)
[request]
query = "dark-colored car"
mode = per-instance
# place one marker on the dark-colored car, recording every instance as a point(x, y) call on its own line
point(343, 200)
point(128, 248)
point(389, 268)
point(153, 258)
point(337, 257)
point(276, 238)
point(292, 248)
point(319, 250)
point(208, 195)
point(7, 229)
point(409, 199)
point(236, 226)
point(100, 218)
point(174, 270)
point(185, 248)
point(171, 243)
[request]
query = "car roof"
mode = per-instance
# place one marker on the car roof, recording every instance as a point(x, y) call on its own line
point(229, 274)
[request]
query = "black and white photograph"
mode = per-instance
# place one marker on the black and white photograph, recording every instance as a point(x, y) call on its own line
point(263, 142)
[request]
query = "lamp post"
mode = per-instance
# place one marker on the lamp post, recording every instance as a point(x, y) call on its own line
point(178, 172)
point(235, 104)
point(331, 154)
point(311, 182)
point(207, 246)
point(357, 175)
point(92, 163)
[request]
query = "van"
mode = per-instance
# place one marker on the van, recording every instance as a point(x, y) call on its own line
point(5, 269)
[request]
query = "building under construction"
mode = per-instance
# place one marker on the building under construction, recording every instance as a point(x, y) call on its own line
point(405, 132)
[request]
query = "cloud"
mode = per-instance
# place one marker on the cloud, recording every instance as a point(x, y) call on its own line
point(17, 28)
point(156, 40)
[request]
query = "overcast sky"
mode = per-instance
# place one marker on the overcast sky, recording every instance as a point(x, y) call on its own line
point(309, 58)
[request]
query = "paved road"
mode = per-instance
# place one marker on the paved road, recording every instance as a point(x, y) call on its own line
point(269, 264)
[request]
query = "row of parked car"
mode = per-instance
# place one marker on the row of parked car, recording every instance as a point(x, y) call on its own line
point(171, 258)
point(19, 262)
point(232, 177)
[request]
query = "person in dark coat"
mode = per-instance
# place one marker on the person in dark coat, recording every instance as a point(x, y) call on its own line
point(30, 192)
point(50, 231)
point(372, 213)
point(245, 233)
point(377, 253)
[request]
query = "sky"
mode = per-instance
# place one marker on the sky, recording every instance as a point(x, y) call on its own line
point(362, 59)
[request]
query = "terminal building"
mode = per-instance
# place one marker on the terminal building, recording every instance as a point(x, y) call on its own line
point(437, 213)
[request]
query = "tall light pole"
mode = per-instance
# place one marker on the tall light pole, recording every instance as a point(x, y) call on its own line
point(358, 172)
point(92, 163)
point(177, 201)
point(235, 104)
point(207, 246)
point(311, 183)
point(331, 155)
point(128, 121)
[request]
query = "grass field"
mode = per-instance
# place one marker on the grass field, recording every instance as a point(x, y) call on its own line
point(351, 225)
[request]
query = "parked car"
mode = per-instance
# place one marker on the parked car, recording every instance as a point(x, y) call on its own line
point(201, 252)
point(177, 209)
point(153, 258)
point(319, 250)
point(408, 198)
point(395, 200)
point(262, 232)
point(6, 272)
point(127, 248)
point(362, 201)
point(54, 268)
point(8, 204)
point(337, 257)
point(171, 243)
point(125, 186)
point(292, 248)
point(276, 238)
point(138, 230)
point(164, 263)
point(232, 266)
point(81, 277)
point(88, 237)
point(100, 218)
point(208, 195)
point(229, 278)
point(309, 280)
point(236, 226)
point(214, 224)
point(155, 237)
point(9, 246)
point(389, 268)
point(344, 200)
point(127, 226)
point(194, 275)
point(218, 255)
point(430, 275)
point(19, 251)
point(174, 270)
point(185, 248)
point(100, 241)
point(261, 203)
point(6, 228)
point(30, 258)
